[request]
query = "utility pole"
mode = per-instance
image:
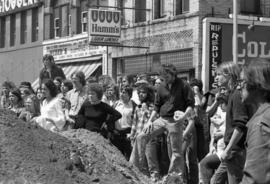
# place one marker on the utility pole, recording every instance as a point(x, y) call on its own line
point(235, 31)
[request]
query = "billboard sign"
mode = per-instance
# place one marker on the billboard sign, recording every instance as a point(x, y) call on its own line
point(7, 6)
point(104, 27)
point(218, 44)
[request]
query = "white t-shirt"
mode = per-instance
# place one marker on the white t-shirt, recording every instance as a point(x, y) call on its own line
point(126, 112)
point(218, 122)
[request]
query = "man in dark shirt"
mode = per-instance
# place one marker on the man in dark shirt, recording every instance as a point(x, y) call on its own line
point(50, 70)
point(175, 97)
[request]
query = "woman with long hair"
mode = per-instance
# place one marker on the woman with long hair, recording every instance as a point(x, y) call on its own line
point(237, 115)
point(51, 113)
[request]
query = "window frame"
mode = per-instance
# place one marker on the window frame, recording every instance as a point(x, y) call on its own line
point(180, 6)
point(2, 32)
point(244, 7)
point(55, 28)
point(84, 21)
point(35, 28)
point(12, 36)
point(160, 12)
point(140, 15)
point(23, 27)
point(69, 25)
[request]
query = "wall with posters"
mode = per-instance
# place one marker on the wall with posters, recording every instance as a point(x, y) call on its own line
point(253, 42)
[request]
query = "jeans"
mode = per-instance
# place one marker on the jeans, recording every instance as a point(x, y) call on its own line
point(208, 165)
point(191, 172)
point(234, 167)
point(220, 176)
point(175, 141)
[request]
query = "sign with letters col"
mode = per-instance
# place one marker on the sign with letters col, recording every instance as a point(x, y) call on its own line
point(218, 44)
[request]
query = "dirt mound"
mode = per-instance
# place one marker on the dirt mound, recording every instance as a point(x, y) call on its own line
point(30, 154)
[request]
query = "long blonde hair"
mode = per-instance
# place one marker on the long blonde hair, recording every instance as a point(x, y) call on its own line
point(232, 70)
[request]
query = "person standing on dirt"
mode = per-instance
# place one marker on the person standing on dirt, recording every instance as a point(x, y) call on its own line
point(174, 97)
point(50, 70)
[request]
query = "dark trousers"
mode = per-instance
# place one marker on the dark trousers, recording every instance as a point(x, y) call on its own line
point(208, 165)
point(122, 143)
point(234, 167)
point(189, 147)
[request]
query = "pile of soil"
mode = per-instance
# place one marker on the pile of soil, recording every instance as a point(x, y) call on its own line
point(30, 154)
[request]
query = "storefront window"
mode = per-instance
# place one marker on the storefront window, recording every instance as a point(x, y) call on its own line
point(84, 21)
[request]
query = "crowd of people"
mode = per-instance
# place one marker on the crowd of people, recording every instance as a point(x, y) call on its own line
point(165, 126)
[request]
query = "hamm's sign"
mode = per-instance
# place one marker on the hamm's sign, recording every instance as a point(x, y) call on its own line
point(104, 27)
point(10, 5)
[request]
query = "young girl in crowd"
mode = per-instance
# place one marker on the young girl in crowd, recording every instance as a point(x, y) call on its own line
point(31, 108)
point(16, 101)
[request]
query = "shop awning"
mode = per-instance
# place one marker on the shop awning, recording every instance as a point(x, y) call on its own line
point(86, 68)
point(68, 68)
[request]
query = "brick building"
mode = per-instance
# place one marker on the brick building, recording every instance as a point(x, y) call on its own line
point(172, 30)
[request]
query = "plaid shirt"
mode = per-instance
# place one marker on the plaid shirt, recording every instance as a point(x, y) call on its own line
point(141, 116)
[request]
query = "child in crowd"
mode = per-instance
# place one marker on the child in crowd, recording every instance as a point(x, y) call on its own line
point(31, 108)
point(16, 101)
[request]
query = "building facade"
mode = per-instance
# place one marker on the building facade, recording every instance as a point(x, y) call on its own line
point(21, 37)
point(153, 32)
point(171, 31)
